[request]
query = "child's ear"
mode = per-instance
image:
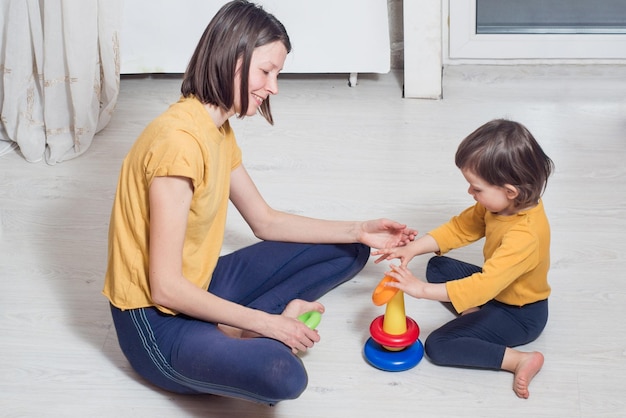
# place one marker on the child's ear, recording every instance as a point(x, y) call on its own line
point(511, 191)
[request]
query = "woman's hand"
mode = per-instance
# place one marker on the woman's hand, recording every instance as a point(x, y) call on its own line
point(385, 233)
point(287, 329)
point(405, 254)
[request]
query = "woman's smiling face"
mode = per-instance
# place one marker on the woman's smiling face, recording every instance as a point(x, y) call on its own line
point(265, 64)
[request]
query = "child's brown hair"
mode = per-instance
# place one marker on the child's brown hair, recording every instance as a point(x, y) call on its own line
point(505, 152)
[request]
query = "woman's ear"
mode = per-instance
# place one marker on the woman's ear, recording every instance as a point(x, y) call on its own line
point(511, 191)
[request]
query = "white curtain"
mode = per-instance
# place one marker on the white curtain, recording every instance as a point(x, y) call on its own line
point(60, 67)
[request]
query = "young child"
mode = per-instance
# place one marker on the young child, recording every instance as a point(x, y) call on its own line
point(505, 303)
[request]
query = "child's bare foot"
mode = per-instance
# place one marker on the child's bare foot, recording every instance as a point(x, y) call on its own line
point(527, 368)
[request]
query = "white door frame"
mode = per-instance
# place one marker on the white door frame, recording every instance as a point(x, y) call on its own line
point(466, 44)
point(422, 48)
point(429, 44)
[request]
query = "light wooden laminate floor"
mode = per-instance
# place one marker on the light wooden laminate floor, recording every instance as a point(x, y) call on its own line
point(343, 153)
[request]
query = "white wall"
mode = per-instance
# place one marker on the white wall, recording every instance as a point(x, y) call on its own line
point(328, 36)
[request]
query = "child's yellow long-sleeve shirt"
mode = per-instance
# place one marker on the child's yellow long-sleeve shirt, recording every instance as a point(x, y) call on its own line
point(516, 253)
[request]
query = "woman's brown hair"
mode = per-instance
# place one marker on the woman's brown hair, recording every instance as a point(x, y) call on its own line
point(234, 32)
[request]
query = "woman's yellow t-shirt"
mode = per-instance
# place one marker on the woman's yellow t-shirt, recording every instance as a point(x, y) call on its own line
point(183, 141)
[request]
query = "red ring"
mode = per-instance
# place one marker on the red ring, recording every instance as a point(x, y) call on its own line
point(403, 340)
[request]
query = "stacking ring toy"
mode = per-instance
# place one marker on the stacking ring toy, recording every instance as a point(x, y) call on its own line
point(389, 340)
point(383, 293)
point(311, 319)
point(394, 344)
point(393, 361)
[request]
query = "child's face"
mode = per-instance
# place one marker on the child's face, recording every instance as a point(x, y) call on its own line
point(496, 199)
point(265, 65)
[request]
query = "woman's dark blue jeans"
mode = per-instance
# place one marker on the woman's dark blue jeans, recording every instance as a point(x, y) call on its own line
point(479, 339)
point(185, 355)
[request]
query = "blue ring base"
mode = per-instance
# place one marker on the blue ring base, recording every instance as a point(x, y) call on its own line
point(393, 361)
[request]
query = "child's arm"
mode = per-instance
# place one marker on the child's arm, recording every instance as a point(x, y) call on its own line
point(415, 287)
point(422, 245)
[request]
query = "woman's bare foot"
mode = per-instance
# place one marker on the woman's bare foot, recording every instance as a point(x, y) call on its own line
point(230, 331)
point(236, 332)
point(297, 307)
point(293, 309)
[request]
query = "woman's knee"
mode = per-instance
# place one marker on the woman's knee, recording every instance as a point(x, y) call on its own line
point(350, 258)
point(266, 368)
point(285, 378)
point(362, 254)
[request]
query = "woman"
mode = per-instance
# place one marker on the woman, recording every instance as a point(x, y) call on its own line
point(186, 318)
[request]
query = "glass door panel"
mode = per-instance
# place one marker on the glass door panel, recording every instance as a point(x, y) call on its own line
point(537, 29)
point(551, 16)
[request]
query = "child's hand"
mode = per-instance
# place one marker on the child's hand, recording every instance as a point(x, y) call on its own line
point(403, 253)
point(406, 281)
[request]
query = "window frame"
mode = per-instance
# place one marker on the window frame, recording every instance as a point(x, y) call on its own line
point(464, 43)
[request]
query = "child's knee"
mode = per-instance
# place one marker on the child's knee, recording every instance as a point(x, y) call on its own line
point(435, 348)
point(433, 270)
